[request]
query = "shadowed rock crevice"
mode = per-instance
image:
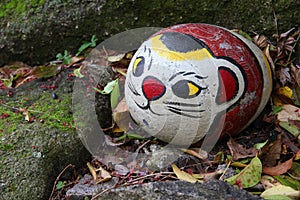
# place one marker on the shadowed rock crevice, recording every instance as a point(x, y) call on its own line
point(39, 33)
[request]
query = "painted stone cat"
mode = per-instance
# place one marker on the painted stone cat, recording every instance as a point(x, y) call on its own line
point(194, 80)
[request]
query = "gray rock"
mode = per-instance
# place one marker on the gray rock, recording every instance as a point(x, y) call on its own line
point(39, 31)
point(87, 187)
point(33, 154)
point(178, 190)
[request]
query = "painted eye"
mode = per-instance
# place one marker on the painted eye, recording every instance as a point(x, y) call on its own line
point(186, 89)
point(138, 66)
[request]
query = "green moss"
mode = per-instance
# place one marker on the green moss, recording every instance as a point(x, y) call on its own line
point(18, 8)
point(55, 113)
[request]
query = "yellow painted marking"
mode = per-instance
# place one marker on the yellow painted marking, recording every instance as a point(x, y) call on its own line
point(193, 89)
point(164, 52)
point(135, 64)
point(269, 71)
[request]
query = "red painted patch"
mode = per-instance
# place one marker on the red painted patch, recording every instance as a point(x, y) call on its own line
point(153, 88)
point(228, 86)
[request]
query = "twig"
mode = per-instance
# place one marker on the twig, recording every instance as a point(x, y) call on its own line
point(275, 19)
point(58, 177)
point(294, 46)
point(20, 109)
point(221, 177)
point(147, 176)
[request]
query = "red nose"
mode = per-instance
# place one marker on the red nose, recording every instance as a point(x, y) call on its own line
point(153, 88)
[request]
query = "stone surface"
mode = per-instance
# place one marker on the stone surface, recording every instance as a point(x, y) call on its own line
point(214, 189)
point(189, 80)
point(33, 154)
point(87, 187)
point(35, 33)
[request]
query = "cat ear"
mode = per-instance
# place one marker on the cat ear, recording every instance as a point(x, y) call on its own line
point(231, 85)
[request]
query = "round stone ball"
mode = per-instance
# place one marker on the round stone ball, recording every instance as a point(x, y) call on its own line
point(190, 81)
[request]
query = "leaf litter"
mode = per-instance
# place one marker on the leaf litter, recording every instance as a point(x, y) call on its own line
point(267, 156)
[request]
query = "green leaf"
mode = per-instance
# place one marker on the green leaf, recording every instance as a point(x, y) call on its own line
point(77, 73)
point(280, 190)
point(277, 197)
point(297, 95)
point(132, 136)
point(296, 168)
point(276, 109)
point(135, 136)
point(66, 58)
point(60, 184)
point(45, 71)
point(86, 45)
point(93, 41)
point(260, 145)
point(288, 181)
point(59, 56)
point(249, 176)
point(114, 95)
point(8, 82)
point(108, 88)
point(245, 35)
point(83, 47)
point(290, 128)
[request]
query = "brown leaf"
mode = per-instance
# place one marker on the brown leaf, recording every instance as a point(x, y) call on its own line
point(201, 154)
point(289, 112)
point(182, 175)
point(295, 73)
point(279, 169)
point(239, 151)
point(45, 71)
point(271, 153)
point(121, 115)
point(261, 41)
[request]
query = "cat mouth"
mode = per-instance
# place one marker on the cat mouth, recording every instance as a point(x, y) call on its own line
point(190, 110)
point(147, 107)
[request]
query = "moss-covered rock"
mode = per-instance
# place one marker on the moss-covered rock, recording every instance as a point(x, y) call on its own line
point(44, 28)
point(37, 138)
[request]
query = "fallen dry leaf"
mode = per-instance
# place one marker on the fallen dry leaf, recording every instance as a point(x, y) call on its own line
point(279, 169)
point(238, 151)
point(182, 175)
point(271, 153)
point(289, 112)
point(201, 154)
point(121, 115)
point(268, 181)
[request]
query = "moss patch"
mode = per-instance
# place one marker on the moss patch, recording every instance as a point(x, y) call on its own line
point(19, 8)
point(55, 113)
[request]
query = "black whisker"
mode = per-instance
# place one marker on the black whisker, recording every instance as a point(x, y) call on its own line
point(189, 73)
point(182, 104)
point(185, 110)
point(183, 114)
point(201, 77)
point(172, 77)
point(133, 90)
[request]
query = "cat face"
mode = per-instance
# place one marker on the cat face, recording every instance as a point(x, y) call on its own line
point(174, 87)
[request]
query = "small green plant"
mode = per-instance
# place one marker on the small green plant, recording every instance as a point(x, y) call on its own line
point(86, 45)
point(66, 58)
point(60, 185)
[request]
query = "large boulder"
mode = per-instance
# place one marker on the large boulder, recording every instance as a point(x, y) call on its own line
point(214, 189)
point(37, 138)
point(35, 31)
